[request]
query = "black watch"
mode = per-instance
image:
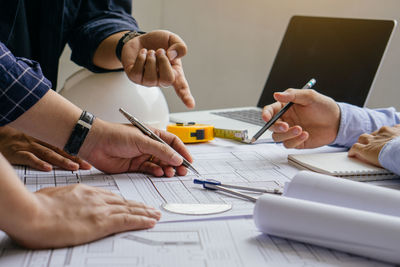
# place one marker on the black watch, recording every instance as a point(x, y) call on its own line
point(124, 39)
point(79, 133)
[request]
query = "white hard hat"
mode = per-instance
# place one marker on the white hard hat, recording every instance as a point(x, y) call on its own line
point(104, 93)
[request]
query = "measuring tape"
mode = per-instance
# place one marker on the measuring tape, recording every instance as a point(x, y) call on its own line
point(195, 133)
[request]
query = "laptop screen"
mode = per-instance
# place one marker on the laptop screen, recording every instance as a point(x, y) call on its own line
point(343, 55)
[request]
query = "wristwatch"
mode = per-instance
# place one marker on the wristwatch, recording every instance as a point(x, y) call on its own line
point(124, 39)
point(79, 133)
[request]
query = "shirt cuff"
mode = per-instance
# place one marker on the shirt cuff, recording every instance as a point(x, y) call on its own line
point(353, 122)
point(89, 37)
point(389, 156)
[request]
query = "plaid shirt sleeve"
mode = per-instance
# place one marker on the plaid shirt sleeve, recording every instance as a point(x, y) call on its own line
point(22, 84)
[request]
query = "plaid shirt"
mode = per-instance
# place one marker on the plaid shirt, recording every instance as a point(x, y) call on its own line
point(22, 84)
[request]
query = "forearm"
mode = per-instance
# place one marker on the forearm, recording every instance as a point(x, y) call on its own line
point(17, 205)
point(355, 121)
point(52, 119)
point(98, 20)
point(105, 56)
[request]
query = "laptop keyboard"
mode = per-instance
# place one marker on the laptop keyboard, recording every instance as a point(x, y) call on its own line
point(252, 116)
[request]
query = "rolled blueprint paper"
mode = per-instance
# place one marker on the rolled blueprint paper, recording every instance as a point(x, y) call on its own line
point(341, 192)
point(350, 230)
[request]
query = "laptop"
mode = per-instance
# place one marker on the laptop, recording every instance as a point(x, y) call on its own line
point(342, 54)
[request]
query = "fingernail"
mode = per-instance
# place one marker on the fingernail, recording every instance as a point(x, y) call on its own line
point(156, 213)
point(73, 165)
point(47, 166)
point(296, 131)
point(176, 160)
point(281, 128)
point(151, 222)
point(162, 51)
point(152, 53)
point(144, 51)
point(172, 54)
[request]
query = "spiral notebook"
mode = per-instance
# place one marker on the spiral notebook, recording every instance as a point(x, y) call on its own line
point(340, 165)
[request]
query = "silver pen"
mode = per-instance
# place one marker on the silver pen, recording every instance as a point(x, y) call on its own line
point(152, 135)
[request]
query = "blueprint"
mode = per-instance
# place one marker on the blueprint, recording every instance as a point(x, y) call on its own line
point(254, 166)
point(36, 180)
point(219, 243)
point(263, 166)
point(212, 241)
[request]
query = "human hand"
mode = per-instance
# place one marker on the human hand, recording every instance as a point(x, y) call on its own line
point(311, 122)
point(154, 59)
point(21, 149)
point(116, 148)
point(369, 146)
point(76, 214)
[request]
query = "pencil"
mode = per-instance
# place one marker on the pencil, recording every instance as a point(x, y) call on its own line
point(308, 85)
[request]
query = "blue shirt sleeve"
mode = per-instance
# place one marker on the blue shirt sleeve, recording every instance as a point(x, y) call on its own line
point(22, 84)
point(96, 21)
point(355, 121)
point(389, 156)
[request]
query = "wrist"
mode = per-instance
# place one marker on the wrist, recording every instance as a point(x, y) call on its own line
point(92, 139)
point(125, 39)
point(21, 223)
point(79, 133)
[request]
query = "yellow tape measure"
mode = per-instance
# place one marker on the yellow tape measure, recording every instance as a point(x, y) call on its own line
point(194, 133)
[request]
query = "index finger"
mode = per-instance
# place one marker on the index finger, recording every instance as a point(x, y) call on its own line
point(181, 85)
point(175, 143)
point(270, 110)
point(356, 150)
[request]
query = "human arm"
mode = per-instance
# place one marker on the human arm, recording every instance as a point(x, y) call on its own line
point(380, 148)
point(316, 120)
point(110, 147)
point(21, 149)
point(355, 121)
point(312, 121)
point(44, 220)
point(153, 59)
point(28, 104)
point(71, 215)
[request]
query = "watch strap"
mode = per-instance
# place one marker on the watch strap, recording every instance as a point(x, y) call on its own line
point(124, 39)
point(79, 133)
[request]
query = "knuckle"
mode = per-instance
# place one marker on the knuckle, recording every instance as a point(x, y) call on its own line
point(363, 137)
point(289, 90)
point(384, 129)
point(47, 153)
point(15, 147)
point(312, 93)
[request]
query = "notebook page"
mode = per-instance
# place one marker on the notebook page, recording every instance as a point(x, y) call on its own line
point(326, 189)
point(335, 164)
